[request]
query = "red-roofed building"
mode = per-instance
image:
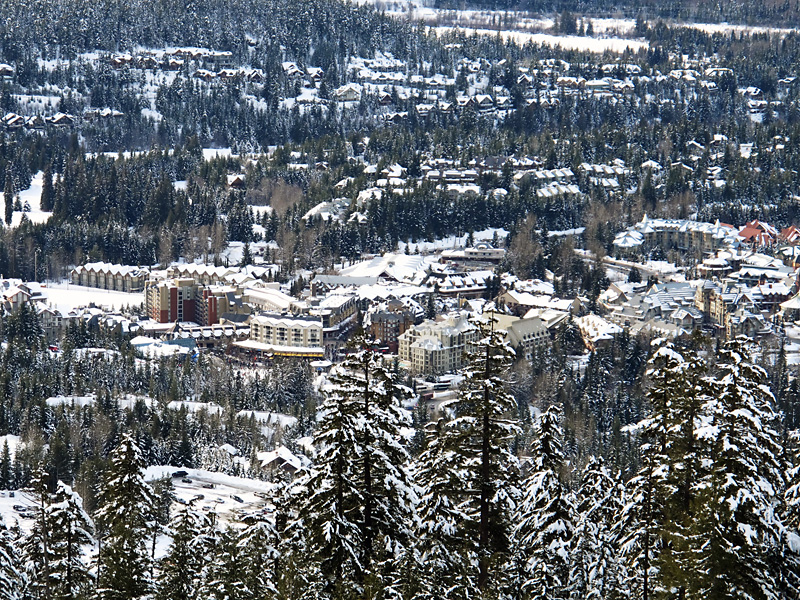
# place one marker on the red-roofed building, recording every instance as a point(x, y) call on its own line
point(790, 235)
point(758, 234)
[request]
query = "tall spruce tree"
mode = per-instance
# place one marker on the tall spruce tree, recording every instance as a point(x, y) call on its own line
point(666, 492)
point(258, 544)
point(596, 570)
point(480, 434)
point(46, 200)
point(37, 552)
point(546, 517)
point(125, 519)
point(739, 521)
point(8, 195)
point(790, 556)
point(355, 505)
point(71, 532)
point(11, 575)
point(225, 574)
point(181, 569)
point(444, 551)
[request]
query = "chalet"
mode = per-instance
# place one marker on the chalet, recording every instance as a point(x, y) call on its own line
point(758, 234)
point(349, 92)
point(315, 74)
point(13, 121)
point(484, 103)
point(255, 75)
point(204, 74)
point(146, 62)
point(121, 60)
point(790, 235)
point(6, 71)
point(292, 71)
point(423, 110)
point(36, 122)
point(61, 120)
point(229, 74)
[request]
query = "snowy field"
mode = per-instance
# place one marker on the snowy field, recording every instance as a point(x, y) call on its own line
point(214, 491)
point(569, 42)
point(610, 34)
point(30, 199)
point(226, 495)
point(66, 297)
point(452, 242)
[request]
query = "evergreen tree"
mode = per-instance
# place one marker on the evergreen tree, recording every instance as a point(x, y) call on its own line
point(444, 552)
point(791, 521)
point(6, 474)
point(11, 576)
point(356, 502)
point(46, 201)
point(181, 568)
point(71, 532)
point(481, 433)
point(125, 519)
point(258, 544)
point(8, 195)
point(226, 572)
point(739, 522)
point(546, 517)
point(37, 551)
point(596, 571)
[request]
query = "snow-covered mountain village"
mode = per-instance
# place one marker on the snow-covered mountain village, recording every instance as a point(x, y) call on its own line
point(399, 300)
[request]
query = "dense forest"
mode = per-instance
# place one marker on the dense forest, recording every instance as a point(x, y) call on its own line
point(635, 469)
point(752, 12)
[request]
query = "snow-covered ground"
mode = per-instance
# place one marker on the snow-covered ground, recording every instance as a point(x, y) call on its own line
point(569, 42)
point(609, 33)
point(217, 490)
point(66, 297)
point(226, 495)
point(452, 242)
point(31, 199)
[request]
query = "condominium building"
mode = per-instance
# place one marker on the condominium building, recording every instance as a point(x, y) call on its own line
point(681, 234)
point(171, 300)
point(437, 347)
point(282, 331)
point(106, 276)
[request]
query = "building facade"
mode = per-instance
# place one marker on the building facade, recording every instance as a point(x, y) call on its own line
point(106, 276)
point(437, 347)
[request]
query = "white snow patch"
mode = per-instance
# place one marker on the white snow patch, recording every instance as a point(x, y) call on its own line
point(32, 197)
point(67, 297)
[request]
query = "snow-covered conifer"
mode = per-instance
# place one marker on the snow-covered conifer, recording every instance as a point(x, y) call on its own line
point(355, 504)
point(546, 516)
point(444, 551)
point(258, 545)
point(181, 568)
point(125, 519)
point(739, 522)
point(71, 532)
point(595, 570)
point(11, 576)
point(37, 553)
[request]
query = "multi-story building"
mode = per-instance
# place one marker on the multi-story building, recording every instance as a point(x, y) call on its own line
point(524, 335)
point(171, 300)
point(437, 347)
point(389, 322)
point(680, 234)
point(106, 276)
point(285, 334)
point(183, 299)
